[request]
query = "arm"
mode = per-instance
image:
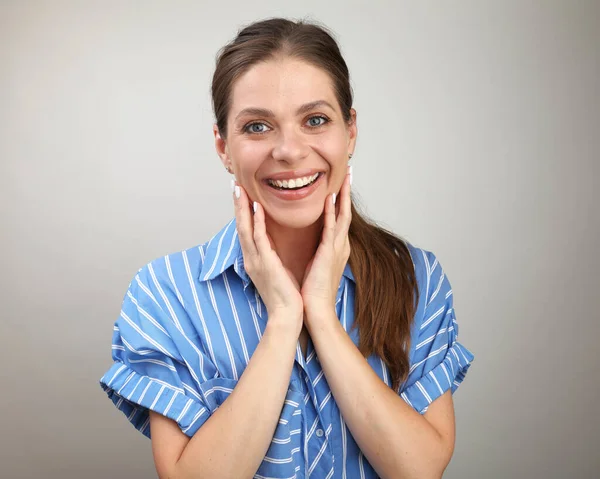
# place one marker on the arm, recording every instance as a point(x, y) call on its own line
point(234, 440)
point(397, 440)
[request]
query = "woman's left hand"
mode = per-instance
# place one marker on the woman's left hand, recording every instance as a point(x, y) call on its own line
point(324, 271)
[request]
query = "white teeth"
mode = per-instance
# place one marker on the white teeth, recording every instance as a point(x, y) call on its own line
point(295, 183)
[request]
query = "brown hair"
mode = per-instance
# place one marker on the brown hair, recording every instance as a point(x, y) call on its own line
point(386, 291)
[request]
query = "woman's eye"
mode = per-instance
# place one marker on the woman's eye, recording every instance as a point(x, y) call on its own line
point(256, 128)
point(315, 121)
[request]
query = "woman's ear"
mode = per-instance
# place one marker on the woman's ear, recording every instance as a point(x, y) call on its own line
point(221, 147)
point(352, 131)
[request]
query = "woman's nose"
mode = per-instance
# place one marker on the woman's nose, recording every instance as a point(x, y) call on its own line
point(290, 146)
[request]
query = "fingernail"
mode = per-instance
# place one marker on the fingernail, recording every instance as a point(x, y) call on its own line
point(232, 183)
point(333, 198)
point(237, 191)
point(254, 206)
point(351, 175)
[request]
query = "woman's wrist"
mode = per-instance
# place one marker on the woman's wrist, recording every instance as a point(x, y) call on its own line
point(284, 323)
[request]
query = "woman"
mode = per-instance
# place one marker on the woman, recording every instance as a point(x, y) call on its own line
point(301, 340)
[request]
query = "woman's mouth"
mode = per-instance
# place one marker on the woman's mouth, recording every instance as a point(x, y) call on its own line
point(296, 188)
point(294, 184)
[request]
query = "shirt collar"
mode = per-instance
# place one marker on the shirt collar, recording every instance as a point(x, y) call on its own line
point(224, 250)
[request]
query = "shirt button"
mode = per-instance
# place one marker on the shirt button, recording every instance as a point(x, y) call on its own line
point(319, 432)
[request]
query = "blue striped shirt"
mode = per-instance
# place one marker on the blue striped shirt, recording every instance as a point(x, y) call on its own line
point(190, 322)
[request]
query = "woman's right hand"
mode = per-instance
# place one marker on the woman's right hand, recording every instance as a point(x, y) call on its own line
point(276, 285)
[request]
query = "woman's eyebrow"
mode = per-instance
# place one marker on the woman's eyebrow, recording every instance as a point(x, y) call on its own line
point(255, 111)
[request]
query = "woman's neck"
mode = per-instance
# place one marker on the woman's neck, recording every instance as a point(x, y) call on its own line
point(295, 247)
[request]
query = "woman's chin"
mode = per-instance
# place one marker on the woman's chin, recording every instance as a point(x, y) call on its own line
point(297, 219)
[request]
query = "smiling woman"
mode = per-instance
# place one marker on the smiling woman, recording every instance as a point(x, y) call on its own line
point(302, 340)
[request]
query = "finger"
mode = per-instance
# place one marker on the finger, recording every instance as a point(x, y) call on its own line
point(243, 219)
point(344, 215)
point(263, 245)
point(329, 221)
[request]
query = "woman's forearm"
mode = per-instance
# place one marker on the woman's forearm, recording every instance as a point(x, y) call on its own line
point(234, 440)
point(397, 440)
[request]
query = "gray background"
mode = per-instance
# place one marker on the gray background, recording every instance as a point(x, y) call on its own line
point(479, 139)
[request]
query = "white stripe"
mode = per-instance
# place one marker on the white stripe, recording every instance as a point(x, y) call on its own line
point(431, 338)
point(431, 354)
point(432, 317)
point(145, 425)
point(168, 408)
point(316, 460)
point(167, 385)
point(222, 237)
point(384, 372)
point(144, 335)
point(154, 361)
point(278, 461)
point(141, 352)
point(136, 385)
point(458, 346)
point(231, 245)
point(170, 273)
point(132, 415)
point(344, 446)
point(191, 390)
point(115, 375)
point(125, 383)
point(201, 316)
point(160, 391)
point(281, 441)
point(258, 476)
point(218, 388)
point(437, 290)
point(423, 391)
point(196, 417)
point(318, 378)
point(258, 303)
point(236, 319)
point(213, 300)
point(254, 320)
point(312, 428)
point(146, 315)
point(446, 373)
point(455, 355)
point(164, 298)
point(139, 401)
point(344, 322)
point(436, 382)
point(325, 401)
point(361, 466)
point(185, 409)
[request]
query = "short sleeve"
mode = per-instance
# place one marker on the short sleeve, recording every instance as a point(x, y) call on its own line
point(154, 360)
point(439, 362)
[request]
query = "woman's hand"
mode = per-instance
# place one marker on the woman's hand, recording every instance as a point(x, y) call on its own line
point(277, 286)
point(324, 271)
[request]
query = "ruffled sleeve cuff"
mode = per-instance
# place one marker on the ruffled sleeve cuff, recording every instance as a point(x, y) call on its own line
point(447, 375)
point(135, 394)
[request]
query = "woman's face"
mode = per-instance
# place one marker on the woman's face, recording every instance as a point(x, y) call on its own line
point(285, 123)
